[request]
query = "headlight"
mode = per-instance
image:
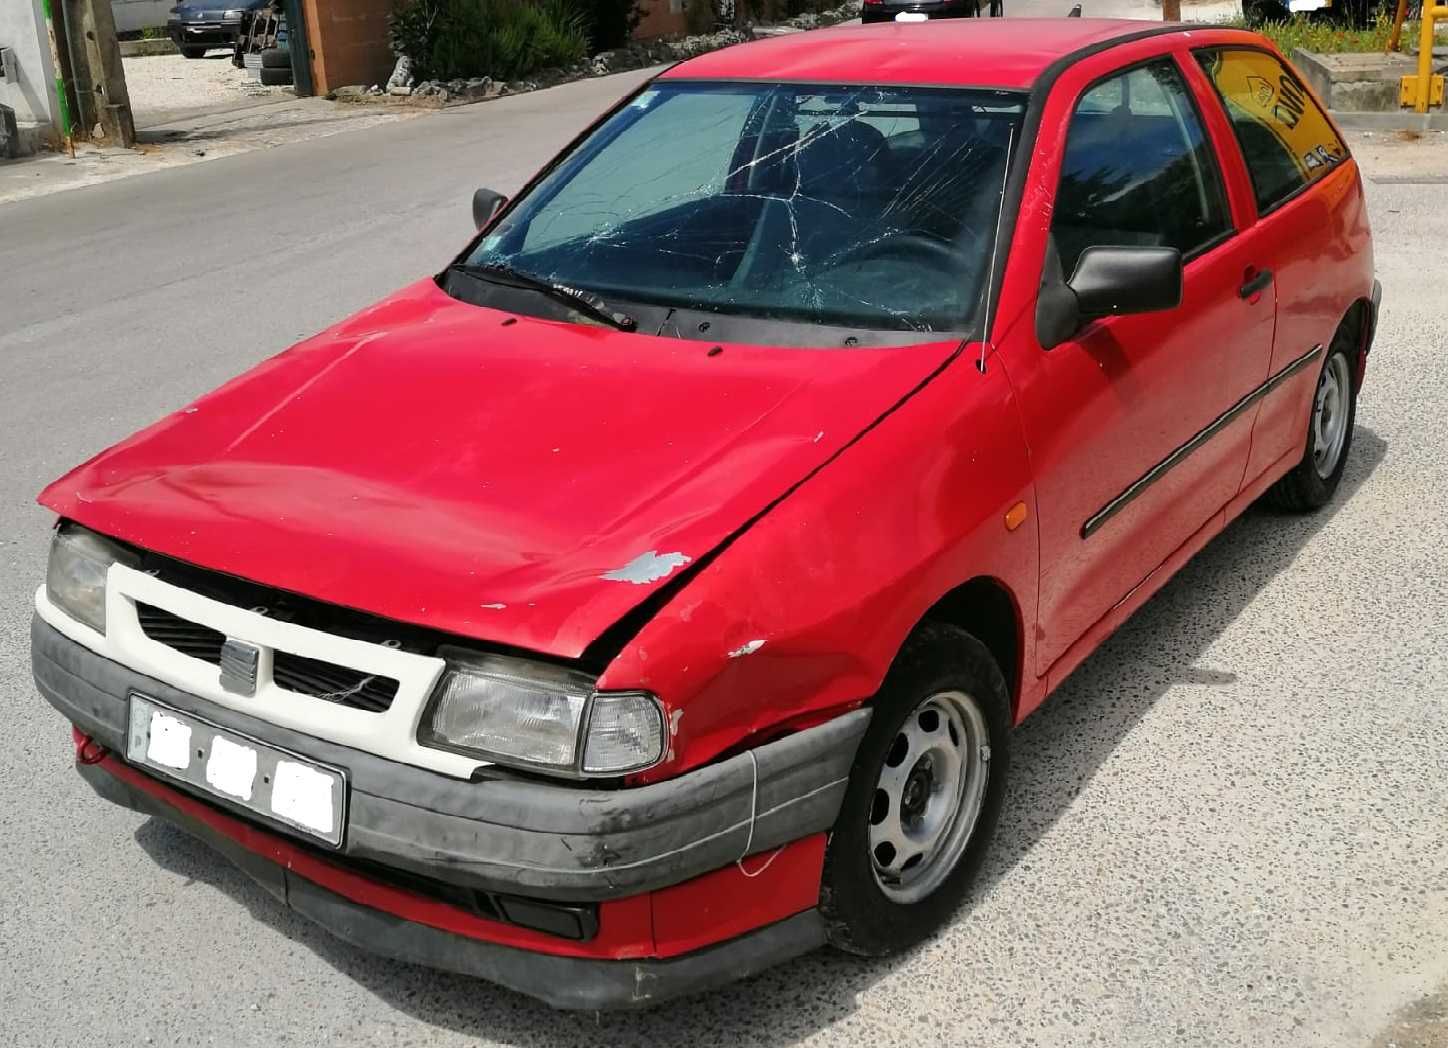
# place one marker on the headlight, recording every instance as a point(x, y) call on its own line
point(234, 15)
point(535, 715)
point(75, 579)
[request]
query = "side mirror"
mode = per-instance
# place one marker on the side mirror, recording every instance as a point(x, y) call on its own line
point(1109, 281)
point(486, 204)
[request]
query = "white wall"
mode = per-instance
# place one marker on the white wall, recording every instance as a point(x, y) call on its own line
point(141, 14)
point(22, 28)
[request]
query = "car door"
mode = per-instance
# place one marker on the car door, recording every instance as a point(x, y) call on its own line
point(1310, 235)
point(1128, 422)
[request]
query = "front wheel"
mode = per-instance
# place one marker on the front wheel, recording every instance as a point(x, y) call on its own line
point(923, 798)
point(1311, 483)
point(193, 52)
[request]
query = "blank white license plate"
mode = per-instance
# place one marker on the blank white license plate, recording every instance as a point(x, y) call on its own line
point(273, 783)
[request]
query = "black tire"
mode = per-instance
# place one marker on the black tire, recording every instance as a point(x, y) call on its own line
point(275, 77)
point(193, 52)
point(276, 58)
point(861, 917)
point(1304, 488)
point(867, 18)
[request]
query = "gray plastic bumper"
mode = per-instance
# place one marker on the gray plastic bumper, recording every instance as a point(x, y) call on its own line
point(510, 834)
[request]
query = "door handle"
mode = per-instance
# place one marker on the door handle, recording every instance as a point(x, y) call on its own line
point(1255, 283)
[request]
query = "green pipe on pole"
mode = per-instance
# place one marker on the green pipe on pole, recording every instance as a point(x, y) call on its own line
point(60, 93)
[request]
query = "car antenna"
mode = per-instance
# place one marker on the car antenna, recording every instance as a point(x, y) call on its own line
point(995, 249)
point(1075, 12)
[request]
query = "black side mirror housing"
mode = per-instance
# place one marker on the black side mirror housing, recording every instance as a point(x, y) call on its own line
point(1109, 281)
point(486, 204)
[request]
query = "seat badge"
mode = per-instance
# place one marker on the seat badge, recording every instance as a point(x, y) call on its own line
point(238, 666)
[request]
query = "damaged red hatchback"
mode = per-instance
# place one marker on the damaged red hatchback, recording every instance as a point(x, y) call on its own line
point(649, 597)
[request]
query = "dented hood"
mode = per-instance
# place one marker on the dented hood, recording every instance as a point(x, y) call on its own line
point(515, 480)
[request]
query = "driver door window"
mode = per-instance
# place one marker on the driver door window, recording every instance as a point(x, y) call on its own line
point(1138, 170)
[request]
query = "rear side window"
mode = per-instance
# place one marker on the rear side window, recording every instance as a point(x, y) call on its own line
point(1138, 170)
point(1285, 138)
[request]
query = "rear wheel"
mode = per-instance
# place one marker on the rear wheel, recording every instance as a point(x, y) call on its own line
point(924, 795)
point(1311, 483)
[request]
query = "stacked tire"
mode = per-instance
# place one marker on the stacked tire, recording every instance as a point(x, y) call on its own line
point(276, 67)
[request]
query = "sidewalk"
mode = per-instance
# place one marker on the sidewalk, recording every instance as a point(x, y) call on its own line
point(226, 131)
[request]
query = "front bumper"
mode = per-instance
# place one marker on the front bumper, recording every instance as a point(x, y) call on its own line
point(573, 982)
point(506, 834)
point(211, 34)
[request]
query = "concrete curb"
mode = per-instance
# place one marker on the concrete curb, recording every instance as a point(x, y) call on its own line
point(1400, 121)
point(142, 48)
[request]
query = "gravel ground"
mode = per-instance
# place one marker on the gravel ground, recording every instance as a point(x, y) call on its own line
point(165, 87)
point(1226, 829)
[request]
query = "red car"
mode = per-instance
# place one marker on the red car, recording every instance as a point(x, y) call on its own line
point(649, 597)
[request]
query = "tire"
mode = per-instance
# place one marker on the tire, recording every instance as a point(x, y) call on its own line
point(276, 77)
point(276, 58)
point(193, 52)
point(1310, 484)
point(940, 676)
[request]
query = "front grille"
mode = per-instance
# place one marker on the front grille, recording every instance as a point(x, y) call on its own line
point(320, 680)
point(189, 638)
point(339, 684)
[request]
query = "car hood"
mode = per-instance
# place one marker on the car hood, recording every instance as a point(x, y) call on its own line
point(516, 480)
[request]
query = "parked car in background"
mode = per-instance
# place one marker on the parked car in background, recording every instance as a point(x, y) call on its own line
point(1357, 13)
point(197, 26)
point(886, 10)
point(650, 596)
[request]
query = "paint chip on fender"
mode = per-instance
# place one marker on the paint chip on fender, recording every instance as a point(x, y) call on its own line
point(647, 567)
point(748, 648)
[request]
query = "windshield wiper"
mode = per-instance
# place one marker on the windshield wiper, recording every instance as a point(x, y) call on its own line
point(585, 302)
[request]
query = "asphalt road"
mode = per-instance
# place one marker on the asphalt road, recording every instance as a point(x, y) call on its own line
point(1226, 829)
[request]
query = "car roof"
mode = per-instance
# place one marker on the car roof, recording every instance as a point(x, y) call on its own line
point(985, 52)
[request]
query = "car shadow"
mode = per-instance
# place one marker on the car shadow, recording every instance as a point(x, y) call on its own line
point(1056, 753)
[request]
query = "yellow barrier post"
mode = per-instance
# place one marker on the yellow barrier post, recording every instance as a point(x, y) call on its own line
point(1425, 89)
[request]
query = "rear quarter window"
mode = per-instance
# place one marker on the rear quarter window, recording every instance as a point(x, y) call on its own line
point(1286, 139)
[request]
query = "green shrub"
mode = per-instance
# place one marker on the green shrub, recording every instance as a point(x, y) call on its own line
point(503, 39)
point(612, 22)
point(1325, 37)
point(700, 16)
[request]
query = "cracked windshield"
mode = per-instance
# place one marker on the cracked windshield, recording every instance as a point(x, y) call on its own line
point(858, 207)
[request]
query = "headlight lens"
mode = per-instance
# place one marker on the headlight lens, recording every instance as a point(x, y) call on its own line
point(533, 715)
point(75, 579)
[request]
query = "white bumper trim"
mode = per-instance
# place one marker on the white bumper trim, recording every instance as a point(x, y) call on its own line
point(391, 734)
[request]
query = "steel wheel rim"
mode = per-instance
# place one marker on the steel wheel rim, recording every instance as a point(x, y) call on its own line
point(928, 795)
point(1330, 415)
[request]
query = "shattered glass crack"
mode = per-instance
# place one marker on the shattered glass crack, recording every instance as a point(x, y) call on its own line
point(871, 208)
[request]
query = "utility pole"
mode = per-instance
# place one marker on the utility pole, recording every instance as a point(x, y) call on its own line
point(1171, 10)
point(61, 66)
point(100, 78)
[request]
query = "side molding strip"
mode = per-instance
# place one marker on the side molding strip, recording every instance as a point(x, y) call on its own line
point(1120, 502)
